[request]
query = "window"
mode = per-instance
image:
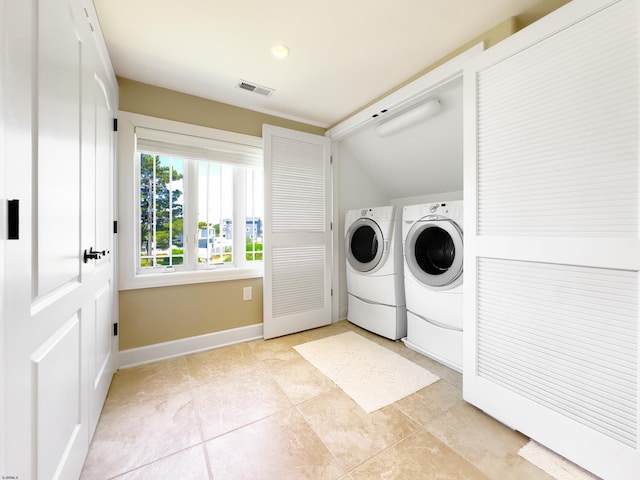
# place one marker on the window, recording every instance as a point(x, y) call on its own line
point(189, 205)
point(198, 200)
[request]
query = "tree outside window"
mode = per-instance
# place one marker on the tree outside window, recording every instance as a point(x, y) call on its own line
point(161, 211)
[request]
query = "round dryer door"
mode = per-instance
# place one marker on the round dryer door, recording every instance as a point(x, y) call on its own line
point(433, 252)
point(364, 245)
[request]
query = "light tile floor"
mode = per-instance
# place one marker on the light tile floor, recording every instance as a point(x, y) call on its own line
point(258, 410)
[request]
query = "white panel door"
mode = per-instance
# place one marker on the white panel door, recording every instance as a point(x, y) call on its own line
point(98, 162)
point(552, 253)
point(58, 97)
point(298, 247)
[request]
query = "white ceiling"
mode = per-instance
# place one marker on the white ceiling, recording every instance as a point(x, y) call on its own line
point(344, 53)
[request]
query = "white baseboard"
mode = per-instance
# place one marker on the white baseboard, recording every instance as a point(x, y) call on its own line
point(175, 348)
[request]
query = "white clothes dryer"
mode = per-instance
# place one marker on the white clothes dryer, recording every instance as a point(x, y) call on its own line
point(375, 281)
point(433, 263)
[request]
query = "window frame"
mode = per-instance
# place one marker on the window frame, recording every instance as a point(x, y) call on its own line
point(129, 199)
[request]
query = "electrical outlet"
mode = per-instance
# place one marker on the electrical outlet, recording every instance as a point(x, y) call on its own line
point(247, 293)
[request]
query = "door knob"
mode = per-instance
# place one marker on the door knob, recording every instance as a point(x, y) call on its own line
point(94, 254)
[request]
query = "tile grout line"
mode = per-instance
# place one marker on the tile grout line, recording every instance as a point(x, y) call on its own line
point(296, 406)
point(393, 445)
point(196, 411)
point(205, 440)
point(163, 457)
point(306, 420)
point(144, 465)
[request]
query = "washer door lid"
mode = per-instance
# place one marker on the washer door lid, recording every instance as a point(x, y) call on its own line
point(364, 245)
point(433, 252)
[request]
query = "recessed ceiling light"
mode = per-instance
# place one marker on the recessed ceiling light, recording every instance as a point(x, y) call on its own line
point(280, 51)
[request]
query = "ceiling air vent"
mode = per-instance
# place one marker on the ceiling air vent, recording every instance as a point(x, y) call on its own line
point(255, 88)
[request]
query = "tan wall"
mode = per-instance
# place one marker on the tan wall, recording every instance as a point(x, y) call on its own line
point(159, 102)
point(538, 11)
point(154, 315)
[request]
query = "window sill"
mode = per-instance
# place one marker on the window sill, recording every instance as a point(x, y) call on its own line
point(167, 279)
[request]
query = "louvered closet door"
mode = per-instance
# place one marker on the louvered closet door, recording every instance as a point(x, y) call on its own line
point(298, 248)
point(552, 253)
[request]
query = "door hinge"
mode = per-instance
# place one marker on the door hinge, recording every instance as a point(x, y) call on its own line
point(115, 226)
point(331, 226)
point(115, 124)
point(88, 19)
point(115, 329)
point(331, 160)
point(332, 292)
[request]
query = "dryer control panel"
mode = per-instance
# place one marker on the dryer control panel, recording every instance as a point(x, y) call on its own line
point(451, 209)
point(378, 213)
point(446, 209)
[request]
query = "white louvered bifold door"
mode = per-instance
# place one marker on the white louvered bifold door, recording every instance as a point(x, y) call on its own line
point(552, 253)
point(298, 247)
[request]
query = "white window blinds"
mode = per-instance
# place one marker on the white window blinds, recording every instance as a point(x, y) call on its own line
point(197, 148)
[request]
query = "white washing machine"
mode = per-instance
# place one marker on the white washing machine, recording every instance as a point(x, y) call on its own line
point(433, 261)
point(375, 281)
